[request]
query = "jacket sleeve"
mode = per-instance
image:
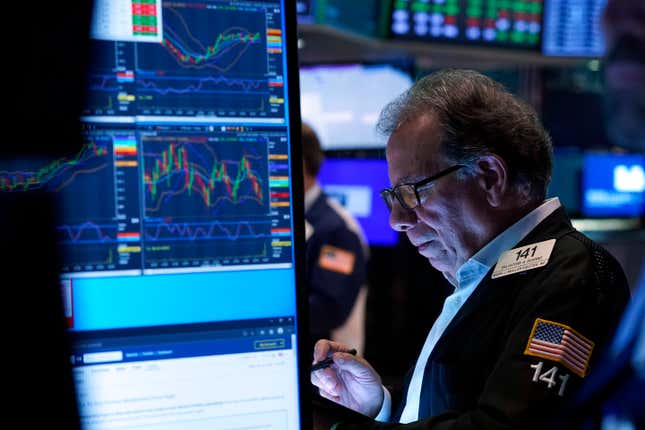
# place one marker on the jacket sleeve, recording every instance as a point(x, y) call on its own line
point(336, 270)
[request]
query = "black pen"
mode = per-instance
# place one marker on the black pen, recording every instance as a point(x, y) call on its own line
point(329, 361)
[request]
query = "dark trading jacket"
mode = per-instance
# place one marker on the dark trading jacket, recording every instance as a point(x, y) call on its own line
point(478, 375)
point(332, 291)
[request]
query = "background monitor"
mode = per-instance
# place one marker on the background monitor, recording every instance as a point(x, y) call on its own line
point(180, 220)
point(356, 183)
point(305, 10)
point(613, 185)
point(508, 24)
point(572, 28)
point(349, 122)
point(564, 92)
point(364, 17)
point(566, 178)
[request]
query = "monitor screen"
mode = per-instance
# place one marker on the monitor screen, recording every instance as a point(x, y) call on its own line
point(349, 122)
point(508, 24)
point(356, 184)
point(613, 185)
point(572, 107)
point(178, 227)
point(566, 178)
point(364, 17)
point(305, 11)
point(572, 28)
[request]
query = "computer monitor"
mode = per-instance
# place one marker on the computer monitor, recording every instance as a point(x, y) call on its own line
point(572, 107)
point(572, 28)
point(365, 17)
point(613, 185)
point(181, 219)
point(341, 121)
point(566, 179)
point(305, 10)
point(356, 184)
point(505, 24)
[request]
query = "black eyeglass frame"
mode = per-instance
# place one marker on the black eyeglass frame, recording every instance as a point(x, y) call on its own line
point(388, 193)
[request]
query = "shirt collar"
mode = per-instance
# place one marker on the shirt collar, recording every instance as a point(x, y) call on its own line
point(311, 195)
point(480, 263)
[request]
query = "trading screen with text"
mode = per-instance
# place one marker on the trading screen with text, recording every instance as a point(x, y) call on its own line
point(496, 23)
point(176, 220)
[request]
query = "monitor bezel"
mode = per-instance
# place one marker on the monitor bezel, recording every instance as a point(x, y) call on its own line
point(297, 188)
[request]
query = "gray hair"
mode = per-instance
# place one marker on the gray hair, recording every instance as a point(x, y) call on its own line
point(478, 115)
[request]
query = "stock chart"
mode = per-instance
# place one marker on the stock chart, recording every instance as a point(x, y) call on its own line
point(161, 197)
point(224, 63)
point(213, 59)
point(185, 158)
point(95, 233)
point(208, 196)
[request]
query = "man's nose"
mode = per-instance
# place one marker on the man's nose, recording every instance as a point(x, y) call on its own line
point(402, 219)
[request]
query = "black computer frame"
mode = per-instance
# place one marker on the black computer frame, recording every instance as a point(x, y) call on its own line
point(304, 356)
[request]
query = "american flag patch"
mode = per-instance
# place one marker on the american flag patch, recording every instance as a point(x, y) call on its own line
point(558, 342)
point(336, 259)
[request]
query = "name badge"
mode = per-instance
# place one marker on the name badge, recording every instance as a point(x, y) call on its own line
point(523, 258)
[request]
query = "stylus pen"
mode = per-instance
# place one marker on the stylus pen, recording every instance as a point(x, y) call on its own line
point(328, 361)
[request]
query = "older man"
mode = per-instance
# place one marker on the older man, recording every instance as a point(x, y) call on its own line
point(336, 256)
point(469, 165)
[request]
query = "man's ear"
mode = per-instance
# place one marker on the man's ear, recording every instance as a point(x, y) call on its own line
point(493, 177)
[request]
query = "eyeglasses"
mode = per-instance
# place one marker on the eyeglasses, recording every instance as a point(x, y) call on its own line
point(408, 194)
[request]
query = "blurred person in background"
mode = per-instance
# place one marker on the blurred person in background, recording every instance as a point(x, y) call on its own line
point(623, 26)
point(614, 396)
point(336, 257)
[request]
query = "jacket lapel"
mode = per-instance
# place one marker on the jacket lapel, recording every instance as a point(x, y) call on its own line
point(552, 227)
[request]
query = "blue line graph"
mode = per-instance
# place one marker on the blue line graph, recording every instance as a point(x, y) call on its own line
point(208, 230)
point(216, 66)
point(87, 233)
point(204, 85)
point(110, 83)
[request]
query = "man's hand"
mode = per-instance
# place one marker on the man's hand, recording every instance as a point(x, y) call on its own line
point(350, 380)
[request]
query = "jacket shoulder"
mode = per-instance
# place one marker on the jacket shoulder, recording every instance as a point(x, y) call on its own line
point(577, 251)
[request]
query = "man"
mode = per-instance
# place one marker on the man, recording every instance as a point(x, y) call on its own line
point(612, 397)
point(336, 255)
point(469, 166)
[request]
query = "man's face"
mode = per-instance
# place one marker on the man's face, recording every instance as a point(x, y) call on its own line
point(446, 227)
point(624, 66)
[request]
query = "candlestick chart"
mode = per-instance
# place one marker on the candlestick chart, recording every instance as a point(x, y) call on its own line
point(206, 199)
